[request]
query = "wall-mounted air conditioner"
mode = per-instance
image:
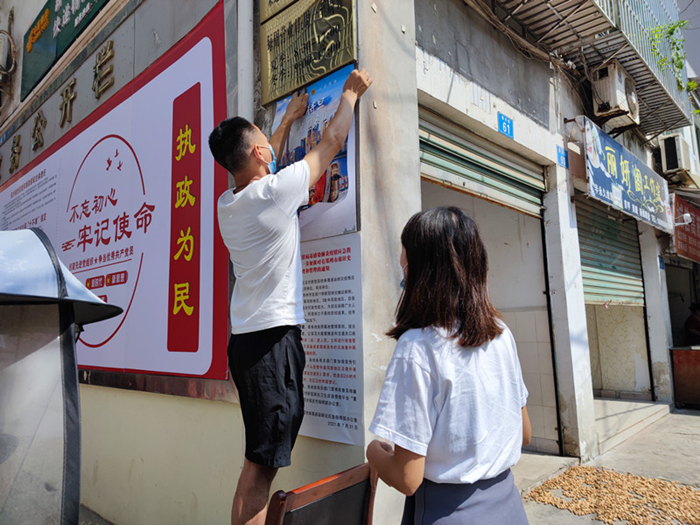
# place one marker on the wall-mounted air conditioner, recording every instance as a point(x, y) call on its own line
point(676, 154)
point(614, 93)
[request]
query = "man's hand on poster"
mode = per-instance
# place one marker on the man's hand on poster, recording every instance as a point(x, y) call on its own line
point(295, 109)
point(320, 157)
point(357, 83)
point(297, 106)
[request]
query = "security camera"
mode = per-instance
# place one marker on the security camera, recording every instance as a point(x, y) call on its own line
point(683, 220)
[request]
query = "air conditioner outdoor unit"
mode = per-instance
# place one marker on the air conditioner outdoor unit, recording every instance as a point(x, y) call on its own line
point(614, 93)
point(676, 154)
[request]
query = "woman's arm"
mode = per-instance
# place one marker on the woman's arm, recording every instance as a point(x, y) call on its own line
point(527, 429)
point(398, 468)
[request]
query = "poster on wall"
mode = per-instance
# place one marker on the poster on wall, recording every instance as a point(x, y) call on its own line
point(127, 197)
point(332, 207)
point(332, 339)
point(686, 237)
point(619, 179)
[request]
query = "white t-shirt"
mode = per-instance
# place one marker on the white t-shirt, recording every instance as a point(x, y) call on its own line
point(260, 228)
point(459, 407)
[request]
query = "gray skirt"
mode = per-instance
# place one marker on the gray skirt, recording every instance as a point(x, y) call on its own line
point(486, 502)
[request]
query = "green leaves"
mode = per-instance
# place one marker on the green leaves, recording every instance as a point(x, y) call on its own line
point(671, 33)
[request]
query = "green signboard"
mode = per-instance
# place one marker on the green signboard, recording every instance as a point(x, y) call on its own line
point(56, 27)
point(39, 48)
point(72, 17)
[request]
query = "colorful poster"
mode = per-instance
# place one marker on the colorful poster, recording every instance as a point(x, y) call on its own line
point(128, 199)
point(332, 339)
point(332, 208)
point(686, 238)
point(619, 179)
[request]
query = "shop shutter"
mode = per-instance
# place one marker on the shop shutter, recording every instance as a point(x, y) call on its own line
point(610, 262)
point(452, 156)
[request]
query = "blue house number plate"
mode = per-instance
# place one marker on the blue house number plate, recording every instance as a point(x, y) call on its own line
point(505, 125)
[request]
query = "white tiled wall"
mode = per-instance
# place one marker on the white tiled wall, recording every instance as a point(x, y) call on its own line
point(531, 332)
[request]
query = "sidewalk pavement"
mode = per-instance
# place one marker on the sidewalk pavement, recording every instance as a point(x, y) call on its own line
point(668, 449)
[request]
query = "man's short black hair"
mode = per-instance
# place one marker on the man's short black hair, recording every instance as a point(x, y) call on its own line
point(230, 143)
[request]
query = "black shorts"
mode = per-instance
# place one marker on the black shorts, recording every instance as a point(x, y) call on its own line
point(268, 369)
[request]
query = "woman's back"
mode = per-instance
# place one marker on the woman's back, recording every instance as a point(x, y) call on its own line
point(460, 407)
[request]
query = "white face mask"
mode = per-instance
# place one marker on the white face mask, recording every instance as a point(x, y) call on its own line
point(403, 281)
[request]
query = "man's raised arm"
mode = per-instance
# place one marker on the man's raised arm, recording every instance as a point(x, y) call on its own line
point(295, 109)
point(320, 157)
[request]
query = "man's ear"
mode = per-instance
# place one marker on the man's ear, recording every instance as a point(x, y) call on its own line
point(257, 154)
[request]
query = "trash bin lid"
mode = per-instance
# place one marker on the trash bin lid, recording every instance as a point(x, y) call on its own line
point(32, 274)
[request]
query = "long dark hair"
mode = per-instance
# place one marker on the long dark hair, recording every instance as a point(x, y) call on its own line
point(446, 278)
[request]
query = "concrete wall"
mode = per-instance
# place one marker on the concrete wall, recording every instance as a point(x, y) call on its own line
point(658, 316)
point(518, 290)
point(477, 51)
point(151, 458)
point(389, 191)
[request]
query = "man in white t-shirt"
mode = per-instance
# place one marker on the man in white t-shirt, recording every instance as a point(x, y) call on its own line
point(259, 225)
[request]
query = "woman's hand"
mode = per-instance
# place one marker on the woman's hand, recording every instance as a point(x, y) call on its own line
point(398, 468)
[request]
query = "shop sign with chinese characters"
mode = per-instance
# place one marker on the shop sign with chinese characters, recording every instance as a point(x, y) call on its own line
point(304, 42)
point(686, 237)
point(619, 179)
point(127, 197)
point(332, 338)
point(56, 26)
point(270, 8)
point(38, 49)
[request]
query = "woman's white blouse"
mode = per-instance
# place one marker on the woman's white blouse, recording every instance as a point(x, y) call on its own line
point(459, 407)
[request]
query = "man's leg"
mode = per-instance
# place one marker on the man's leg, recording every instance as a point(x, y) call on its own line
point(252, 493)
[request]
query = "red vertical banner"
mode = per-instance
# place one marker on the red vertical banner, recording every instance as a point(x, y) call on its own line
point(687, 236)
point(183, 293)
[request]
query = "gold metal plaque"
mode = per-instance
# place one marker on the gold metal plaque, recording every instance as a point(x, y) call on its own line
point(269, 8)
point(304, 42)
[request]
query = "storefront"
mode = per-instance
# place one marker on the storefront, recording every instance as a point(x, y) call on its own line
point(681, 261)
point(503, 193)
point(622, 190)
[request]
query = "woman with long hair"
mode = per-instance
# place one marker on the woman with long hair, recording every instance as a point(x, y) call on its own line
point(453, 401)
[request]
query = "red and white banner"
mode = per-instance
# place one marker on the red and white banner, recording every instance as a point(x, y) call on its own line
point(128, 198)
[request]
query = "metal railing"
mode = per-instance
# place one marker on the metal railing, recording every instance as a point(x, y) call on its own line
point(608, 7)
point(636, 18)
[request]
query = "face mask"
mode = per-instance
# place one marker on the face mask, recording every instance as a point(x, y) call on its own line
point(403, 281)
point(272, 166)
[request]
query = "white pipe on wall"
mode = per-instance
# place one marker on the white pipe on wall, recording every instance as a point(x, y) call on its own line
point(246, 63)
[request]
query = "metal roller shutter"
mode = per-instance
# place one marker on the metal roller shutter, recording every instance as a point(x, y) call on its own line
point(452, 156)
point(610, 262)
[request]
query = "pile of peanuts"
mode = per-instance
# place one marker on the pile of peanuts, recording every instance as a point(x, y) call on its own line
point(614, 497)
